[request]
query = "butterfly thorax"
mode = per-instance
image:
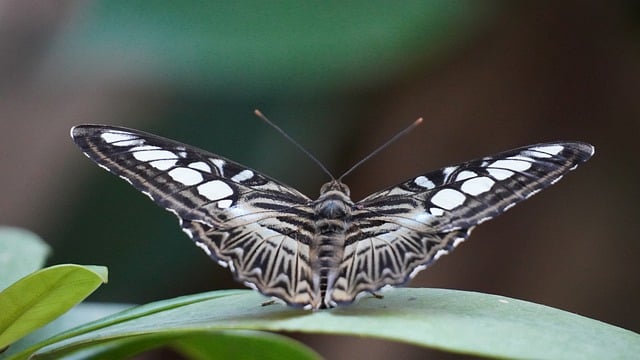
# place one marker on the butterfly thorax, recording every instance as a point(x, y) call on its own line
point(332, 213)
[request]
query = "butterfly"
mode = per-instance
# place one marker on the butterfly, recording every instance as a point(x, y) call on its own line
point(330, 251)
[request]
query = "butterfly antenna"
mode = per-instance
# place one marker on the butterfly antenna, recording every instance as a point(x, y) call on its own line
point(383, 146)
point(259, 114)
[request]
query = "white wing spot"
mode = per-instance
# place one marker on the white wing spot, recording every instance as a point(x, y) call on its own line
point(556, 180)
point(106, 168)
point(152, 153)
point(188, 232)
point(500, 174)
point(512, 163)
point(417, 269)
point(484, 219)
point(447, 171)
point(182, 151)
point(533, 192)
point(120, 138)
point(477, 185)
point(163, 164)
point(207, 250)
point(215, 190)
point(242, 176)
point(436, 211)
point(424, 182)
point(457, 241)
point(508, 206)
point(219, 163)
point(439, 253)
point(224, 204)
point(148, 194)
point(448, 199)
point(186, 176)
point(200, 165)
point(466, 174)
point(547, 151)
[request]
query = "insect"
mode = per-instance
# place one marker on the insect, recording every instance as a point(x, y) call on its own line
point(325, 252)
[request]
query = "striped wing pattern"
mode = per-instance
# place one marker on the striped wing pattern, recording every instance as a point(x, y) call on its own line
point(254, 225)
point(401, 230)
point(327, 252)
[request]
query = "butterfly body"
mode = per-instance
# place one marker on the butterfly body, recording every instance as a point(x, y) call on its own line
point(330, 251)
point(332, 216)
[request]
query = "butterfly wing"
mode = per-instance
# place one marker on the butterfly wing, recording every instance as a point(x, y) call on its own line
point(259, 228)
point(403, 229)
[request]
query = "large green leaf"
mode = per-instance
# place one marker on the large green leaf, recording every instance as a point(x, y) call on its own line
point(21, 252)
point(458, 321)
point(237, 344)
point(40, 297)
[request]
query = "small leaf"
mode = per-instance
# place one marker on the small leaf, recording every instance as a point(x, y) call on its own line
point(40, 297)
point(457, 321)
point(21, 252)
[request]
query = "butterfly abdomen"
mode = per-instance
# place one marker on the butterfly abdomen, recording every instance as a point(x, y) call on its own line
point(332, 215)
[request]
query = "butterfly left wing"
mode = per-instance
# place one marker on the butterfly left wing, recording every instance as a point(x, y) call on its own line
point(258, 227)
point(403, 229)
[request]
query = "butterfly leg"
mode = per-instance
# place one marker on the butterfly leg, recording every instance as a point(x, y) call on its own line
point(268, 302)
point(376, 295)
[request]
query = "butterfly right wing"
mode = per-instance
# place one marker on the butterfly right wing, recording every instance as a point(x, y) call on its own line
point(405, 228)
point(259, 228)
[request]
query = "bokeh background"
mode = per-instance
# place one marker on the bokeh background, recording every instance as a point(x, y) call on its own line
point(341, 77)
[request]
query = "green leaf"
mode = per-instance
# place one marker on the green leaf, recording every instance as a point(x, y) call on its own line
point(79, 315)
point(21, 252)
point(457, 321)
point(237, 344)
point(40, 297)
point(241, 344)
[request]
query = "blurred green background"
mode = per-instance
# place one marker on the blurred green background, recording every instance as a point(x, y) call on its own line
point(341, 77)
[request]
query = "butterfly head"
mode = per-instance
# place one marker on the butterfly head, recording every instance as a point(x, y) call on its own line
point(335, 185)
